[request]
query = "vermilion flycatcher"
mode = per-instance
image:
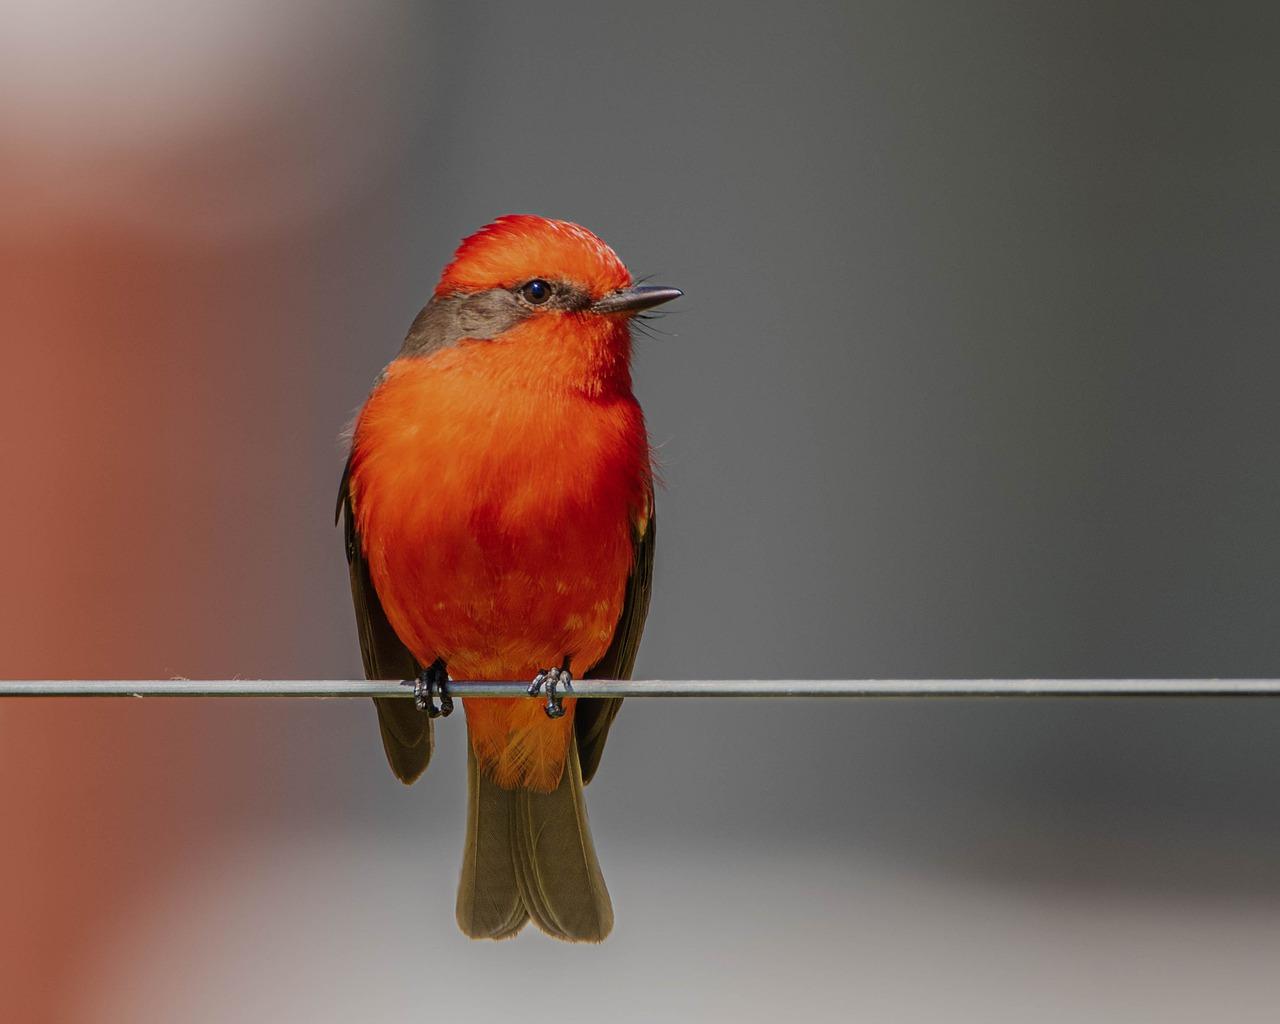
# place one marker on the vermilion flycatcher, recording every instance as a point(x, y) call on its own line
point(499, 525)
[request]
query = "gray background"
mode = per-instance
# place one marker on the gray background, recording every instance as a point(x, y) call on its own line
point(975, 376)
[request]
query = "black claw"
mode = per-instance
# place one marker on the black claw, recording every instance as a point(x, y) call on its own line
point(550, 678)
point(433, 680)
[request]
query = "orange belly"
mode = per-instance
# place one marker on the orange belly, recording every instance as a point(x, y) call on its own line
point(497, 526)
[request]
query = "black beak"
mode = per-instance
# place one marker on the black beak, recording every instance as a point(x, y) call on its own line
point(632, 300)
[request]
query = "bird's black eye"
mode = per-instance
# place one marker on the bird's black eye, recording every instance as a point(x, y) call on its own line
point(536, 291)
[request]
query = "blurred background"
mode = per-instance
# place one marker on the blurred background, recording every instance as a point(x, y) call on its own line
point(975, 376)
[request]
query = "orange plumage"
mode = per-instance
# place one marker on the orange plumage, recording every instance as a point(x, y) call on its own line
point(496, 485)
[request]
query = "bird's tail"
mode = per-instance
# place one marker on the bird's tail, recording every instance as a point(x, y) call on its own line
point(530, 855)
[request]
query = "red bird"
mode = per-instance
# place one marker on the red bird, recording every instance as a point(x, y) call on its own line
point(498, 502)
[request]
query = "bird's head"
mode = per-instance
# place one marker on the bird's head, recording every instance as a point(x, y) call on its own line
point(554, 296)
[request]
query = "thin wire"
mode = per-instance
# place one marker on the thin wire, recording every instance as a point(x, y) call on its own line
point(760, 688)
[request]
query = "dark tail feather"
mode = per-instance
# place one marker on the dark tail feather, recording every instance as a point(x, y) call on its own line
point(406, 737)
point(530, 855)
point(489, 904)
point(556, 866)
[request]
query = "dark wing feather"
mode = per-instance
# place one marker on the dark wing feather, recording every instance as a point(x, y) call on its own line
point(592, 718)
point(406, 731)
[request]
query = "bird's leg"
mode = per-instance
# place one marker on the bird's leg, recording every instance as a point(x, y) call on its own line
point(550, 678)
point(433, 680)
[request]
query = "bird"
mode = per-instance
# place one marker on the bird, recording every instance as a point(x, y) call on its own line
point(498, 510)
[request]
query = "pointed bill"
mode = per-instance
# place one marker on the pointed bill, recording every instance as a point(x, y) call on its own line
point(633, 300)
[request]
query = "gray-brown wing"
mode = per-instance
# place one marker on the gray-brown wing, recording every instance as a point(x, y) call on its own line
point(592, 718)
point(406, 732)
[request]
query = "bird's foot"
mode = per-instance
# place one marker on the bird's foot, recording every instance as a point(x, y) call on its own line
point(432, 681)
point(548, 679)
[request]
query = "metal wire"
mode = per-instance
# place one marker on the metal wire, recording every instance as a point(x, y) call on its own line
point(765, 688)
